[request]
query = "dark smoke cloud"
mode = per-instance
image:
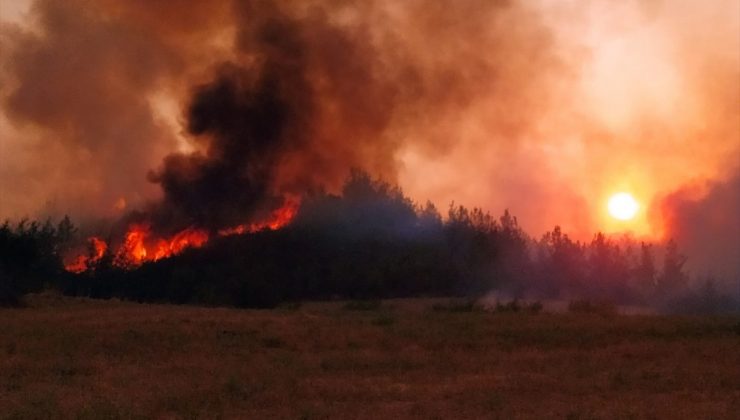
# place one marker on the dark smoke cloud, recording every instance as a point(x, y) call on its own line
point(248, 122)
point(254, 114)
point(707, 227)
point(276, 97)
point(210, 112)
point(313, 92)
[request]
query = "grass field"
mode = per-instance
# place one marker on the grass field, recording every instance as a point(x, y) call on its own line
point(65, 358)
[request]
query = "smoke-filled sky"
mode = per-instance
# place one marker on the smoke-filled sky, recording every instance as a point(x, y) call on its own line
point(207, 111)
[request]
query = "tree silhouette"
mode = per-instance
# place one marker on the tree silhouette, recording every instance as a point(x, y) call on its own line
point(30, 255)
point(673, 277)
point(370, 241)
point(645, 272)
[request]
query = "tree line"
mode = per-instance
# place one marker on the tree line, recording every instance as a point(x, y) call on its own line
point(368, 242)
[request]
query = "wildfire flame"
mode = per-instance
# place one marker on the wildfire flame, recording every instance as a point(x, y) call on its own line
point(278, 218)
point(96, 247)
point(140, 245)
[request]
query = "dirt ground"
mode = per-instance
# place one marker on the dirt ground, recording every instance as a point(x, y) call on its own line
point(74, 358)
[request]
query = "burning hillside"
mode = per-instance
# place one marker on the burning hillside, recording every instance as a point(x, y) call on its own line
point(167, 126)
point(139, 244)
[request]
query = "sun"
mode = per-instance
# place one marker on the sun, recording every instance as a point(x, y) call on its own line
point(623, 206)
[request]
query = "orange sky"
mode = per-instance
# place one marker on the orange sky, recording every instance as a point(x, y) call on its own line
point(655, 107)
point(638, 96)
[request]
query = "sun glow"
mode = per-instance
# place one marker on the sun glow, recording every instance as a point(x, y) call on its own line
point(623, 206)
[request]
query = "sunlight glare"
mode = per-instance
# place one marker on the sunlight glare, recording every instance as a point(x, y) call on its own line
point(623, 206)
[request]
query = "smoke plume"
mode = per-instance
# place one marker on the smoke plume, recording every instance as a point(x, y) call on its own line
point(706, 224)
point(209, 114)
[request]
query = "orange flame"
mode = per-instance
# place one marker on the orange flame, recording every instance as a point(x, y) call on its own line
point(139, 247)
point(132, 250)
point(189, 237)
point(278, 218)
point(97, 248)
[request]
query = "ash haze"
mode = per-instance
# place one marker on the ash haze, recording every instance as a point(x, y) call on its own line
point(545, 108)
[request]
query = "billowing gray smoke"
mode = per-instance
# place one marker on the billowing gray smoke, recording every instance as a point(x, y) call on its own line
point(708, 229)
point(211, 113)
point(247, 121)
point(306, 98)
point(251, 116)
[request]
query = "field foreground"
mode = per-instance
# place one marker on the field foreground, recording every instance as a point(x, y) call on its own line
point(65, 358)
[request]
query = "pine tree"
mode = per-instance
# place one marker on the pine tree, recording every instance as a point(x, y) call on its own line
point(645, 271)
point(673, 276)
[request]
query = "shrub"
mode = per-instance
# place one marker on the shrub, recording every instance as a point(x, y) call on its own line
point(29, 256)
point(535, 307)
point(589, 307)
point(384, 320)
point(290, 306)
point(457, 306)
point(362, 305)
point(9, 292)
point(512, 306)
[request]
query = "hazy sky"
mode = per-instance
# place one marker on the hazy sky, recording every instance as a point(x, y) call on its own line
point(543, 107)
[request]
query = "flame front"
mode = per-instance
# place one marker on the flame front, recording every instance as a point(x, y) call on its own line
point(187, 238)
point(96, 247)
point(278, 218)
point(139, 244)
point(133, 251)
point(138, 247)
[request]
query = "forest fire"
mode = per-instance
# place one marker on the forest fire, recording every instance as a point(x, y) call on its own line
point(97, 248)
point(278, 218)
point(181, 129)
point(137, 248)
point(369, 205)
point(140, 245)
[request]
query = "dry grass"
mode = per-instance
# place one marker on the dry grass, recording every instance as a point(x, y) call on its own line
point(63, 358)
